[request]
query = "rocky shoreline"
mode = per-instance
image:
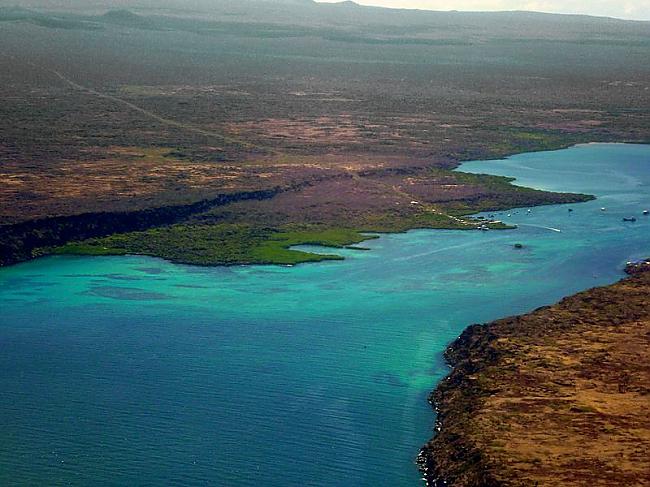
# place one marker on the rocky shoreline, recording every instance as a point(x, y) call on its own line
point(555, 397)
point(633, 268)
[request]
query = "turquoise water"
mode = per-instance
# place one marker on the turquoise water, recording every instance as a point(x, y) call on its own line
point(135, 371)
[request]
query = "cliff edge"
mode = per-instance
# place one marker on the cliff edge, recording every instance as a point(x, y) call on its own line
point(560, 396)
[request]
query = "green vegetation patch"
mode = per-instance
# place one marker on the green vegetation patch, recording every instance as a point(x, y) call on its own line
point(499, 194)
point(223, 244)
point(251, 243)
point(505, 141)
point(426, 218)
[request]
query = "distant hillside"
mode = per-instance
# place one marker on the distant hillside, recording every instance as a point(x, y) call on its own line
point(126, 18)
point(342, 13)
point(345, 21)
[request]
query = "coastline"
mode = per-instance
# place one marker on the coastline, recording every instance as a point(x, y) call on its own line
point(275, 245)
point(88, 233)
point(95, 233)
point(555, 395)
point(468, 321)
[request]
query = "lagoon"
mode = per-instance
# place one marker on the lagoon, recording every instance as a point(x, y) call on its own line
point(136, 371)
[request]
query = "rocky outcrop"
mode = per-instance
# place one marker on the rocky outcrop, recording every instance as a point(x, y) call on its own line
point(633, 268)
point(21, 241)
point(555, 397)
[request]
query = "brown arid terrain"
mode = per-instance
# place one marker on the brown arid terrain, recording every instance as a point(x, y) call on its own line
point(557, 397)
point(290, 113)
point(67, 149)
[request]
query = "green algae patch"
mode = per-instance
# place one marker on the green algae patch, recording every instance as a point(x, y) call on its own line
point(223, 244)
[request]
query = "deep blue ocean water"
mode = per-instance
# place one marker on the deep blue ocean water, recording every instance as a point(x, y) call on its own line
point(135, 371)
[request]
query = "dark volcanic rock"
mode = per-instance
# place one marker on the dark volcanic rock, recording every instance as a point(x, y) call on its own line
point(633, 268)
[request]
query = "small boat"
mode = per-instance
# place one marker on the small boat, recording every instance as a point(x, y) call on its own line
point(646, 212)
point(632, 219)
point(519, 246)
point(603, 209)
point(570, 210)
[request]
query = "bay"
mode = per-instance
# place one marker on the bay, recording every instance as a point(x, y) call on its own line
point(136, 371)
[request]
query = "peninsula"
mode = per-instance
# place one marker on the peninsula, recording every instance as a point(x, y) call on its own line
point(558, 396)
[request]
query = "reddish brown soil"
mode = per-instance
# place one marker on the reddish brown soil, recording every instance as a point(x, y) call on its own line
point(556, 397)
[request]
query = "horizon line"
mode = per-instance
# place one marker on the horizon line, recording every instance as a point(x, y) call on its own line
point(456, 10)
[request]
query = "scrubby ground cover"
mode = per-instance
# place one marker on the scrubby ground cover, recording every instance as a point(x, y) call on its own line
point(220, 244)
point(352, 117)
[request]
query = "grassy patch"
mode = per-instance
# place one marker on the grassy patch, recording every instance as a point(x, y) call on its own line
point(427, 218)
point(223, 244)
point(89, 248)
point(517, 140)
